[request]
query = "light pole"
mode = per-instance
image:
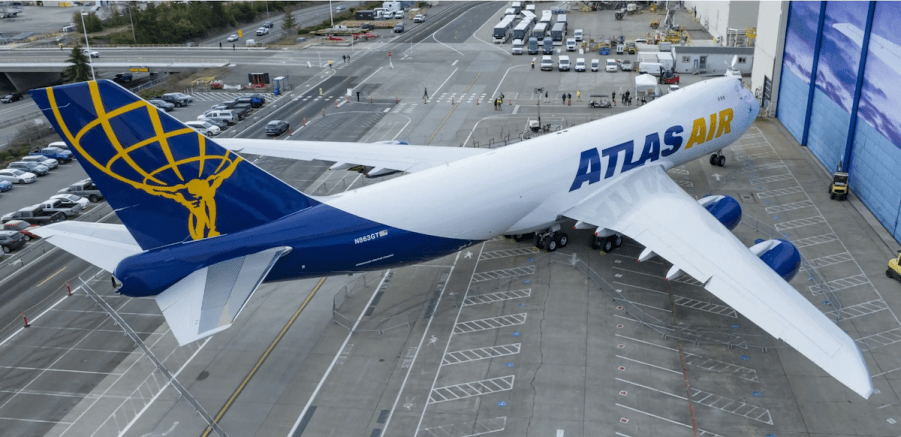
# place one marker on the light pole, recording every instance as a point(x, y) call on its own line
point(88, 45)
point(330, 17)
point(267, 10)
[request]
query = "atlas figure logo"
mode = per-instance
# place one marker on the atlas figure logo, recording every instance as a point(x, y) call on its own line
point(190, 180)
point(590, 160)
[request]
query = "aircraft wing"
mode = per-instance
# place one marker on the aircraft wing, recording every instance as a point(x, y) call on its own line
point(208, 300)
point(649, 207)
point(405, 158)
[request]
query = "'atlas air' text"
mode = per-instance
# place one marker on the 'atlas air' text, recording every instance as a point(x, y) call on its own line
point(702, 131)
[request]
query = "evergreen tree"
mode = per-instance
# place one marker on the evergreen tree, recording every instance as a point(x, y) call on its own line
point(79, 71)
point(289, 23)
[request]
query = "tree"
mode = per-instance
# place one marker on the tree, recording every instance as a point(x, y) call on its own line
point(289, 22)
point(79, 71)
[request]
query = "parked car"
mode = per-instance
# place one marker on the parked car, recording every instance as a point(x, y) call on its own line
point(276, 127)
point(17, 176)
point(122, 77)
point(419, 19)
point(61, 156)
point(23, 228)
point(11, 240)
point(5, 186)
point(34, 214)
point(611, 65)
point(91, 53)
point(9, 98)
point(204, 127)
point(263, 31)
point(233, 37)
point(367, 26)
point(165, 106)
point(182, 96)
point(219, 123)
point(83, 188)
point(570, 44)
point(398, 15)
point(221, 114)
point(626, 65)
point(60, 145)
point(399, 28)
point(33, 167)
point(595, 64)
point(40, 159)
point(69, 209)
point(74, 198)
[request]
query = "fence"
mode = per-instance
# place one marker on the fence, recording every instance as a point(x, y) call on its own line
point(349, 291)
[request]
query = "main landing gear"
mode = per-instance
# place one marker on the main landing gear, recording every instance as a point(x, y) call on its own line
point(607, 244)
point(551, 240)
point(717, 159)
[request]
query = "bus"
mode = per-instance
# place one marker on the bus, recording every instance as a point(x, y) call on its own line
point(522, 30)
point(517, 6)
point(540, 31)
point(546, 17)
point(503, 30)
point(558, 31)
point(528, 16)
point(561, 18)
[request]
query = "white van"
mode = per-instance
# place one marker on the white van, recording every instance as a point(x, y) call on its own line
point(595, 64)
point(653, 68)
point(547, 63)
point(204, 127)
point(570, 44)
point(223, 115)
point(580, 64)
point(563, 63)
point(59, 144)
point(517, 47)
point(578, 34)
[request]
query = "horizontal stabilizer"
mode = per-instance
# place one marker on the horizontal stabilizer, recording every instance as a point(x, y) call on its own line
point(100, 244)
point(208, 300)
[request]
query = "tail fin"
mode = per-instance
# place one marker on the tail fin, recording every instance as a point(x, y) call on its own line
point(167, 182)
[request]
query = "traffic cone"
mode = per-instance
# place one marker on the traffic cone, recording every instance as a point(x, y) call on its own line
point(452, 100)
point(68, 288)
point(336, 103)
point(26, 320)
point(511, 102)
point(304, 121)
point(477, 102)
point(370, 99)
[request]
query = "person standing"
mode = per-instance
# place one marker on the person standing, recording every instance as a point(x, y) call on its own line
point(614, 98)
point(220, 45)
point(578, 95)
point(344, 59)
point(425, 93)
point(564, 98)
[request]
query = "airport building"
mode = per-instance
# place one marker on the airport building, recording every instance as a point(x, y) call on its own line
point(829, 71)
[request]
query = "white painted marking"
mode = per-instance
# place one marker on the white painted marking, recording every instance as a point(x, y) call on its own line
point(455, 62)
point(717, 176)
point(337, 355)
point(701, 432)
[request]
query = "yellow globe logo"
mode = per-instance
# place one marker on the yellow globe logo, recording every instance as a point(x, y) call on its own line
point(189, 177)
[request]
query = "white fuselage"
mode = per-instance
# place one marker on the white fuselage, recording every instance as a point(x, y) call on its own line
point(529, 185)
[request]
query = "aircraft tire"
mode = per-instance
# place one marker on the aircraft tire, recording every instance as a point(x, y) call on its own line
point(551, 244)
point(713, 159)
point(608, 245)
point(721, 161)
point(617, 240)
point(595, 242)
point(562, 239)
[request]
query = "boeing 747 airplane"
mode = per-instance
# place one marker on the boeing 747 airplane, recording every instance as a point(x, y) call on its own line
point(202, 227)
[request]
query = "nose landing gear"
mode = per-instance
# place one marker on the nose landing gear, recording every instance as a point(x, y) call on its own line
point(717, 159)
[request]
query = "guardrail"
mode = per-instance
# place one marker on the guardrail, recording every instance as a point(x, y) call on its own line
point(380, 325)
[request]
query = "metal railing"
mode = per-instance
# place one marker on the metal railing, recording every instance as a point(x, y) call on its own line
point(380, 325)
point(168, 377)
point(666, 330)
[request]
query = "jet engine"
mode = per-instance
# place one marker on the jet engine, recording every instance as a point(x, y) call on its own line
point(725, 208)
point(781, 255)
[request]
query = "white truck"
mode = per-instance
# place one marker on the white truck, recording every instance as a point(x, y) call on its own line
point(517, 47)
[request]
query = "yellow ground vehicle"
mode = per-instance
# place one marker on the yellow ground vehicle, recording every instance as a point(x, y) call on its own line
point(894, 268)
point(839, 187)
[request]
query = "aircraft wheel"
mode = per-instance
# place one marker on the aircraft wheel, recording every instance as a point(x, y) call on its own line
point(721, 161)
point(617, 240)
point(595, 242)
point(551, 244)
point(608, 245)
point(713, 159)
point(562, 239)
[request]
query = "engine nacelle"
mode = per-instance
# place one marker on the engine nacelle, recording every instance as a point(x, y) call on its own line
point(725, 208)
point(781, 255)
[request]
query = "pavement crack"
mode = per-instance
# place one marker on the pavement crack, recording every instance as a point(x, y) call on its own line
point(540, 350)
